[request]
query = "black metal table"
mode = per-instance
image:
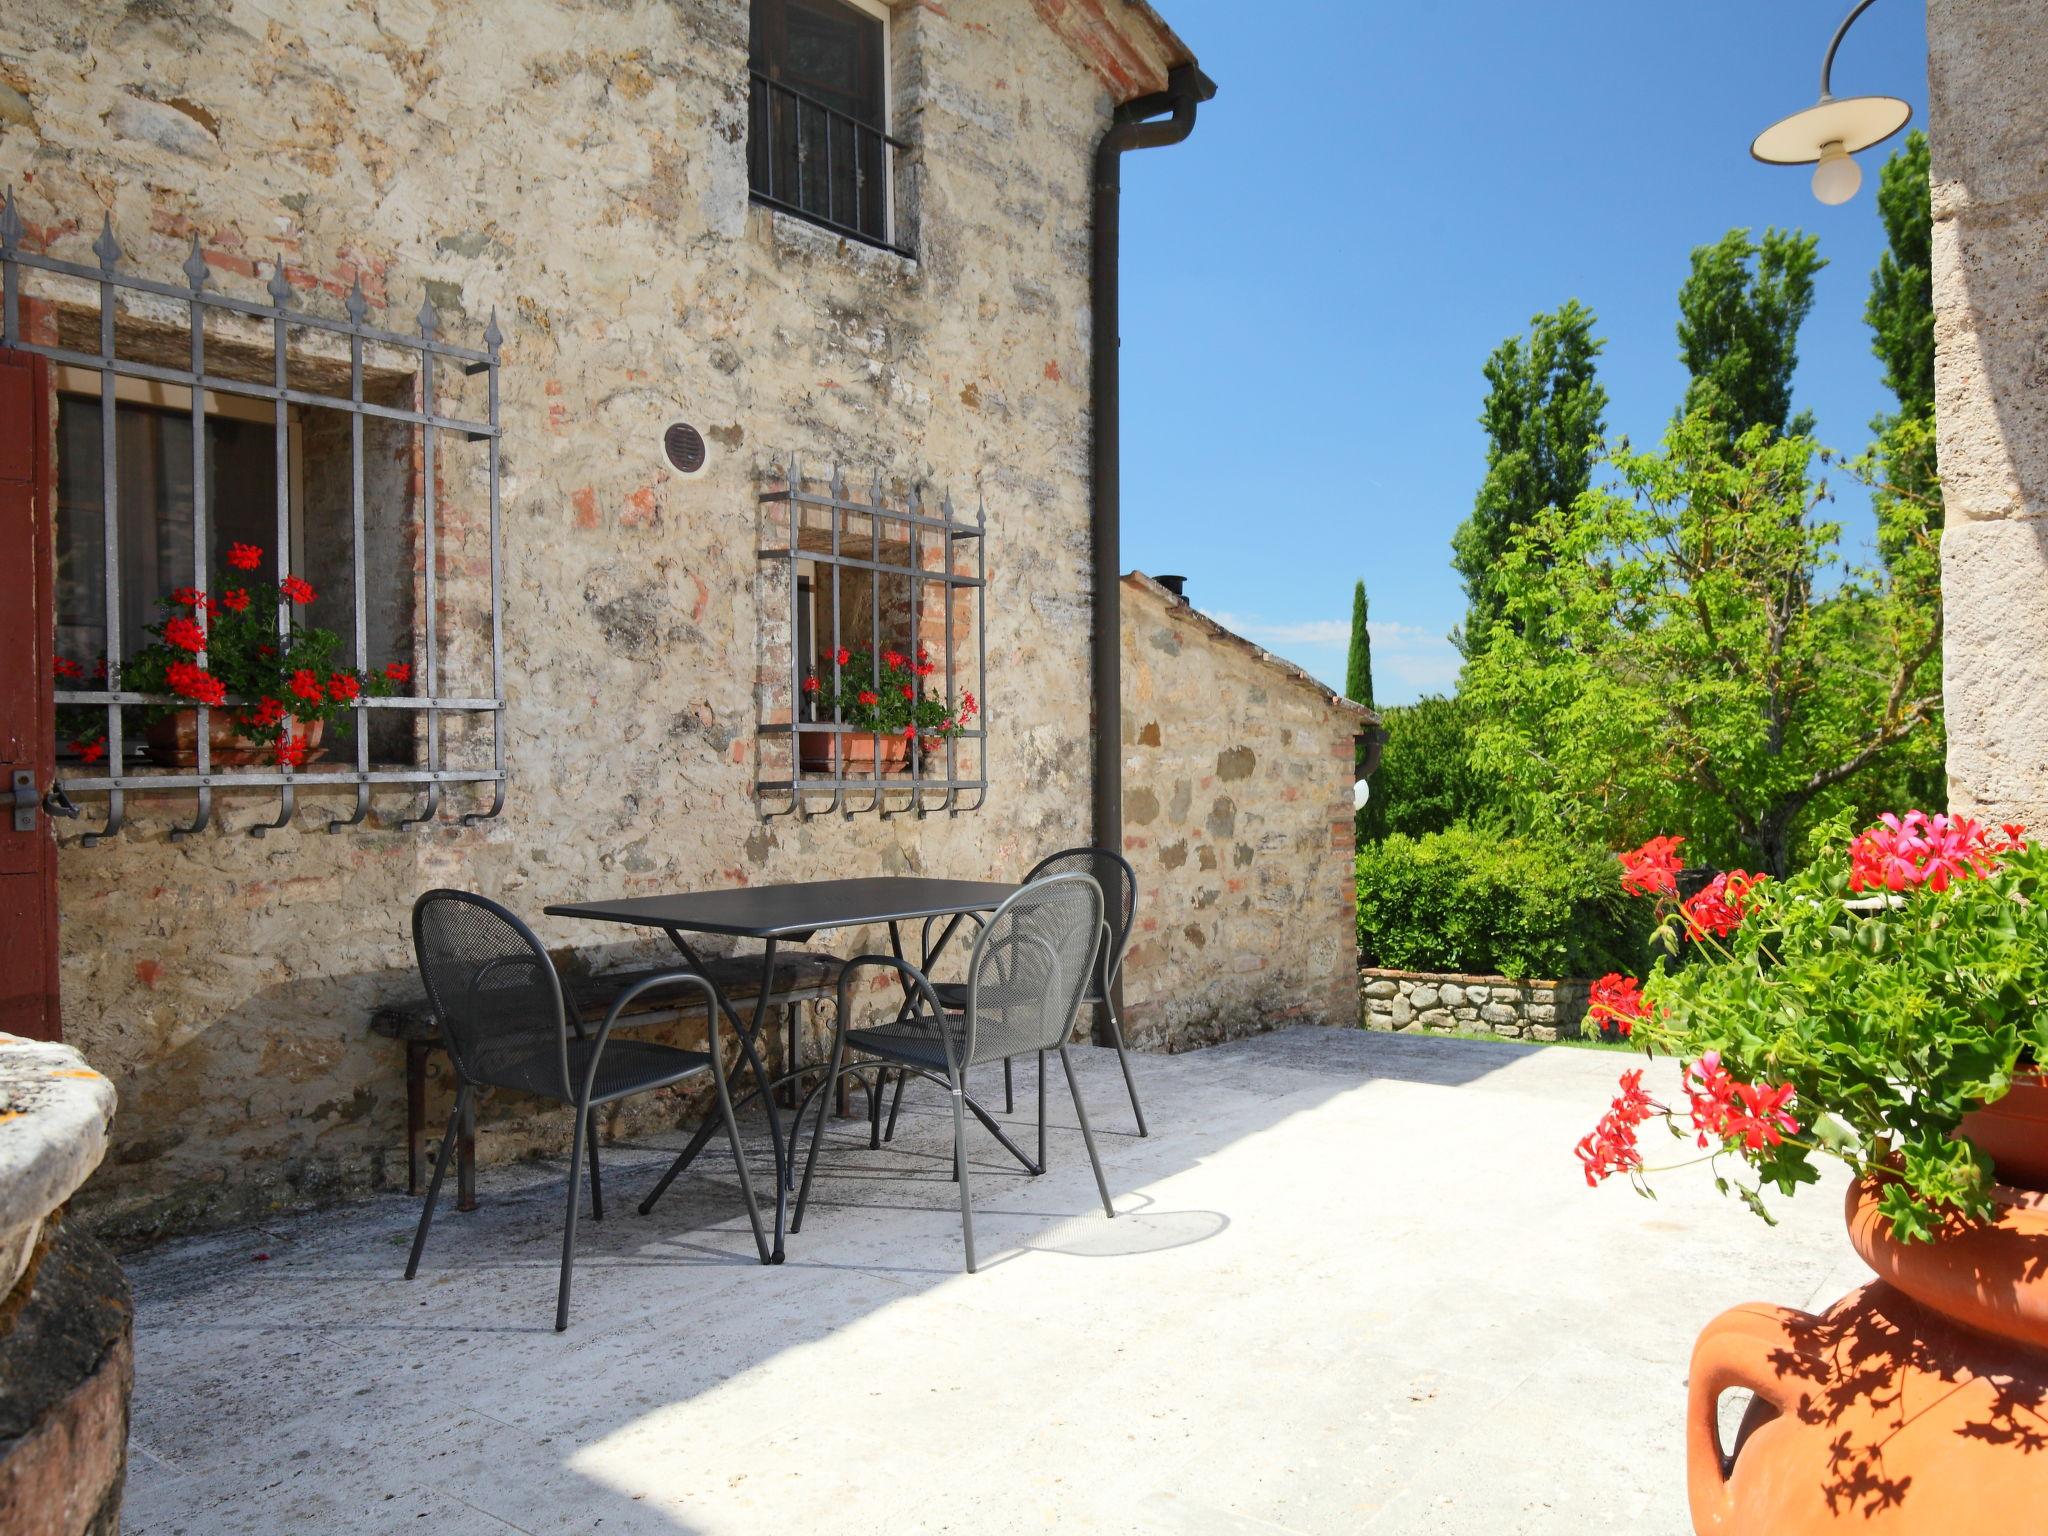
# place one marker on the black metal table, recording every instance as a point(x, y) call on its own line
point(778, 914)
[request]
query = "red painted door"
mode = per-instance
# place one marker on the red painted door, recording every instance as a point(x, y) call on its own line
point(28, 843)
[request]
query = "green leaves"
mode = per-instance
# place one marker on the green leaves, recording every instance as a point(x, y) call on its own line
point(1891, 1018)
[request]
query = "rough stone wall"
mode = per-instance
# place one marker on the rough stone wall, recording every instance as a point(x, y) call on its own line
point(579, 167)
point(1987, 59)
point(1237, 819)
point(1453, 1003)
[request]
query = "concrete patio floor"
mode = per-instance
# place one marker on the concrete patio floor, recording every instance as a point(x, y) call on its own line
point(1356, 1283)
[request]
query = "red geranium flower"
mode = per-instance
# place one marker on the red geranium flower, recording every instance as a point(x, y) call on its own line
point(1719, 908)
point(397, 672)
point(89, 751)
point(307, 686)
point(245, 557)
point(185, 634)
point(344, 687)
point(1618, 1000)
point(194, 682)
point(842, 656)
point(967, 706)
point(1653, 868)
point(291, 750)
point(67, 670)
point(267, 715)
point(892, 658)
point(811, 684)
point(234, 599)
point(1918, 849)
point(869, 696)
point(190, 597)
point(909, 692)
point(297, 588)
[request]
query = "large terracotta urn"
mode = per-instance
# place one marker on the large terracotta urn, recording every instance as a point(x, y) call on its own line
point(1918, 1403)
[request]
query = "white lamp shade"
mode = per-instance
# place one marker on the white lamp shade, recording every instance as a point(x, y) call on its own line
point(1360, 793)
point(1854, 122)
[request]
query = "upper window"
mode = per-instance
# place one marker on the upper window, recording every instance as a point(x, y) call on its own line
point(818, 140)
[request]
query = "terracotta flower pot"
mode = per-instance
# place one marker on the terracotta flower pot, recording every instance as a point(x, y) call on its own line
point(2014, 1132)
point(173, 741)
point(1917, 1403)
point(814, 750)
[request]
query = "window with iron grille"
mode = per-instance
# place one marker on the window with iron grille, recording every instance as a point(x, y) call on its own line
point(818, 141)
point(221, 458)
point(873, 684)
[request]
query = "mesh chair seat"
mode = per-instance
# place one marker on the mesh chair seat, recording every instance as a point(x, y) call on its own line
point(627, 1066)
point(914, 1040)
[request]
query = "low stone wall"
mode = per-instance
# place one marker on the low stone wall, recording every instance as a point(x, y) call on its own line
point(1515, 1010)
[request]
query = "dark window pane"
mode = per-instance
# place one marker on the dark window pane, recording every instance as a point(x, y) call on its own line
point(153, 455)
point(816, 122)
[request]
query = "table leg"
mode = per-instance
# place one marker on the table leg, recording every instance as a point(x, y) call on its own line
point(415, 1110)
point(747, 1033)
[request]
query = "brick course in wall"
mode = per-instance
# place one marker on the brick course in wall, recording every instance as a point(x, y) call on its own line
point(1455, 1003)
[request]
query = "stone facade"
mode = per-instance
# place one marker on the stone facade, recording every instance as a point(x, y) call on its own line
point(1987, 59)
point(1450, 1003)
point(1238, 821)
point(579, 168)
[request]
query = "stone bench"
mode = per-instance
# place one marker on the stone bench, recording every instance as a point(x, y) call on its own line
point(799, 978)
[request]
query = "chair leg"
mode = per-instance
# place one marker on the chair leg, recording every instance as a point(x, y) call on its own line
point(739, 1154)
point(1116, 1038)
point(1009, 1089)
point(1087, 1136)
point(825, 1089)
point(895, 1103)
point(1041, 1111)
point(569, 1223)
point(960, 1173)
point(875, 1110)
point(596, 1181)
point(419, 1238)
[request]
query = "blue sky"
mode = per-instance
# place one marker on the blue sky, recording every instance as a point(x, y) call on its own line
point(1378, 195)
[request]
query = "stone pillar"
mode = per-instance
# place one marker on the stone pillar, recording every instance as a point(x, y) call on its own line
point(1987, 60)
point(66, 1357)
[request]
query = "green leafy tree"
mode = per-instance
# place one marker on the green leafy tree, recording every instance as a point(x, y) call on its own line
point(1675, 662)
point(1901, 306)
point(1739, 313)
point(1426, 780)
point(1544, 416)
point(1358, 667)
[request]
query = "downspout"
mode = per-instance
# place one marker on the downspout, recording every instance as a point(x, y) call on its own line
point(1141, 123)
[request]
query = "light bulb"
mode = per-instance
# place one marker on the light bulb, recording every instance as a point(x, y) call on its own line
point(1836, 177)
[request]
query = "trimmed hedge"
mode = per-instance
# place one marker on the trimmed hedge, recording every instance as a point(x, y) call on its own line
point(1466, 899)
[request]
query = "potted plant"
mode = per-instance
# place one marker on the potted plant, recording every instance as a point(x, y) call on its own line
point(272, 689)
point(888, 705)
point(1886, 1007)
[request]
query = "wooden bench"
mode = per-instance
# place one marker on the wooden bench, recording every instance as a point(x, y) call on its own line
point(800, 977)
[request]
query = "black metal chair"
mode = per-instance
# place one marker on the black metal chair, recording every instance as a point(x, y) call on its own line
point(504, 1015)
point(1026, 977)
point(1113, 874)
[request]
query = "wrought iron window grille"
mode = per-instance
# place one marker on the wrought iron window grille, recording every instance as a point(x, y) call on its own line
point(820, 164)
point(291, 331)
point(840, 574)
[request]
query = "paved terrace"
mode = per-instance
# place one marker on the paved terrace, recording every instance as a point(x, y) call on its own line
point(1356, 1283)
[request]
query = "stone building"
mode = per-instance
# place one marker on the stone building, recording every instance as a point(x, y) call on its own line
point(1238, 821)
point(683, 289)
point(1990, 185)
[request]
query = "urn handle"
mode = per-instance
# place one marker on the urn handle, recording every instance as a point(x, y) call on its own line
point(1743, 1347)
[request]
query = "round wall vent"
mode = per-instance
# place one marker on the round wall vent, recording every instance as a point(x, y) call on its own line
point(683, 446)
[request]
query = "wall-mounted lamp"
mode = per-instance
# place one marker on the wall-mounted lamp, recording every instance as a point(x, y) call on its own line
point(1827, 133)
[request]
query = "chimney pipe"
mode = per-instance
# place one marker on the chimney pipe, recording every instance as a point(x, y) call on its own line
point(1177, 585)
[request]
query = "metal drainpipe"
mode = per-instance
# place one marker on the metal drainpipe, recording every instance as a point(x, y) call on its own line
point(1132, 127)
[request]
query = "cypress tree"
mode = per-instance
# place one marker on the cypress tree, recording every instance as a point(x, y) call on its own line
point(1358, 672)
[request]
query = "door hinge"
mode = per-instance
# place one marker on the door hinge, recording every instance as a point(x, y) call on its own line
point(27, 802)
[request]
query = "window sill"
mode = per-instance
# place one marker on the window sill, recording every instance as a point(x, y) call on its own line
point(793, 234)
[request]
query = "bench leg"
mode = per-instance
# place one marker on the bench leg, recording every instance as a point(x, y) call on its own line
point(415, 1110)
